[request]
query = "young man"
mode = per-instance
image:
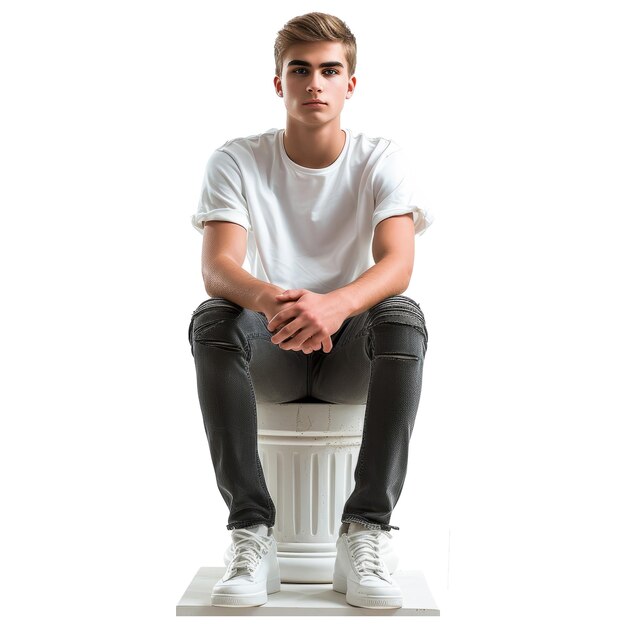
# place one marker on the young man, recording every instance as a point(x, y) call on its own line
point(327, 220)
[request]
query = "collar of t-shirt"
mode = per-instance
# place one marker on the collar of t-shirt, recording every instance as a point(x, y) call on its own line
point(321, 171)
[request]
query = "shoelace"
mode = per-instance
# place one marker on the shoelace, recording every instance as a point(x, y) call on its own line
point(365, 548)
point(249, 549)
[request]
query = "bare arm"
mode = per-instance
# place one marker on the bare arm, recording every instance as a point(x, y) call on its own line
point(319, 316)
point(223, 253)
point(393, 248)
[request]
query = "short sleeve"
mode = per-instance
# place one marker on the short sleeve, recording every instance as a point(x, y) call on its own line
point(394, 191)
point(222, 196)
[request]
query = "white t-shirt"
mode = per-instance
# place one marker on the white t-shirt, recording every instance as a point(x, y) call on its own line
point(307, 228)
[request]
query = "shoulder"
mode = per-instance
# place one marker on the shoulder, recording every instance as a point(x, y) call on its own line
point(251, 142)
point(374, 147)
point(249, 151)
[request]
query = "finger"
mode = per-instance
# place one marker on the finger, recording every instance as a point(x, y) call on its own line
point(277, 322)
point(305, 344)
point(289, 344)
point(286, 315)
point(314, 342)
point(328, 344)
point(273, 322)
point(301, 341)
point(298, 341)
point(285, 334)
point(290, 293)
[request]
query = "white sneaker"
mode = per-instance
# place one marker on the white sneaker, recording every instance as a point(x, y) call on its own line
point(361, 572)
point(253, 572)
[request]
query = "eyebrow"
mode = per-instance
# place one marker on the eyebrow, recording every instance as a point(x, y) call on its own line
point(307, 64)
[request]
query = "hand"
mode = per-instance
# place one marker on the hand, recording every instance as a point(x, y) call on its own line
point(309, 322)
point(276, 305)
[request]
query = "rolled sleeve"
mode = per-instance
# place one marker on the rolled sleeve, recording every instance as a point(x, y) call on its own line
point(395, 191)
point(222, 196)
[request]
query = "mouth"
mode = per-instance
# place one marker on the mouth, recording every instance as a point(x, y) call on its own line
point(313, 102)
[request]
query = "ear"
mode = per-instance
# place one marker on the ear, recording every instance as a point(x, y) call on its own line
point(278, 86)
point(351, 87)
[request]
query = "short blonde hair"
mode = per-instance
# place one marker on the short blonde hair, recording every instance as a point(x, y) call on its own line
point(314, 27)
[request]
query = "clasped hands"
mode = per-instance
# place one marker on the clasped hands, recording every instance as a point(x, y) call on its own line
point(309, 322)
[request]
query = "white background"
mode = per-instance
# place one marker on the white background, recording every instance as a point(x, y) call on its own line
point(513, 113)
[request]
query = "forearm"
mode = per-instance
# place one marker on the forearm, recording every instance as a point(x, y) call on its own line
point(225, 279)
point(386, 278)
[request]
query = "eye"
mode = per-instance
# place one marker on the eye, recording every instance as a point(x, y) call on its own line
point(330, 69)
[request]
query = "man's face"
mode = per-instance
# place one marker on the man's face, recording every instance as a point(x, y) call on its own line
point(303, 79)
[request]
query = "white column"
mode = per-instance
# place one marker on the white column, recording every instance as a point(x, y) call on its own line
point(308, 453)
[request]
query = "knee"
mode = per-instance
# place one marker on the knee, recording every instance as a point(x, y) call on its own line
point(215, 322)
point(397, 328)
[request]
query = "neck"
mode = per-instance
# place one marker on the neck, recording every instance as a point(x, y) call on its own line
point(314, 146)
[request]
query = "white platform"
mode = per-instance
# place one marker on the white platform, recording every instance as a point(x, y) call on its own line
point(306, 598)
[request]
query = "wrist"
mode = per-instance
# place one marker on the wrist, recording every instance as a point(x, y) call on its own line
point(344, 302)
point(267, 297)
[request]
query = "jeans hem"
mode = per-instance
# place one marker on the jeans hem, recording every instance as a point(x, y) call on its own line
point(370, 525)
point(248, 524)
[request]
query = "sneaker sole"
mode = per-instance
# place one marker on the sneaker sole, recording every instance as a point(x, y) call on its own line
point(340, 585)
point(246, 599)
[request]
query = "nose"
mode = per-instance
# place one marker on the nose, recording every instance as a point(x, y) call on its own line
point(313, 86)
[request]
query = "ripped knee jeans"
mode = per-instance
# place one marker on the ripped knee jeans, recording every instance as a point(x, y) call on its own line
point(377, 360)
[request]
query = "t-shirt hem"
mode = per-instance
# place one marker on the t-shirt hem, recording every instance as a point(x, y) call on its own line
point(197, 219)
point(421, 219)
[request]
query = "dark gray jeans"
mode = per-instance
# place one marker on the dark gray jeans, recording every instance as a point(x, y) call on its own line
point(377, 360)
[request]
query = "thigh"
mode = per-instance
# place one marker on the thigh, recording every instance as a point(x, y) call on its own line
point(276, 375)
point(342, 376)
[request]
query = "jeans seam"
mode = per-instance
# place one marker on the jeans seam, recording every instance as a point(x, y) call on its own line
point(362, 458)
point(190, 336)
point(268, 498)
point(308, 375)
